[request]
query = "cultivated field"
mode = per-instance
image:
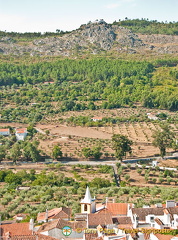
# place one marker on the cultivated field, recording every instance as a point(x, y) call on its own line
point(73, 138)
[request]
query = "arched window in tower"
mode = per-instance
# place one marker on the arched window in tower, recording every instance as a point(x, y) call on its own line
point(85, 207)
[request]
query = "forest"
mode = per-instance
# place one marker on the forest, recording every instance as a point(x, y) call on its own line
point(28, 90)
point(146, 26)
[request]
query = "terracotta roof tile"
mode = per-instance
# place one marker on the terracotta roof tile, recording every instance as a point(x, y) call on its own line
point(23, 237)
point(117, 208)
point(164, 237)
point(125, 226)
point(32, 237)
point(173, 210)
point(4, 130)
point(16, 228)
point(143, 212)
point(21, 129)
point(122, 220)
point(99, 219)
point(60, 223)
point(99, 206)
point(91, 236)
point(103, 211)
point(55, 213)
point(43, 237)
point(48, 226)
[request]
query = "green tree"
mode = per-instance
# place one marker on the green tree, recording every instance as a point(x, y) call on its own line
point(121, 145)
point(15, 152)
point(12, 178)
point(96, 152)
point(86, 151)
point(31, 152)
point(100, 183)
point(56, 152)
point(2, 153)
point(163, 138)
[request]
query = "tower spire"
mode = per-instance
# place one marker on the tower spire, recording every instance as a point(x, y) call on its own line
point(87, 198)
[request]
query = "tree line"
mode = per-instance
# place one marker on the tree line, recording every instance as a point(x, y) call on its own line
point(146, 26)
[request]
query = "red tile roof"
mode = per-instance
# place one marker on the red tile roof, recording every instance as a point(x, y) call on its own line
point(124, 220)
point(16, 228)
point(143, 212)
point(90, 236)
point(117, 208)
point(4, 130)
point(60, 223)
point(173, 210)
point(164, 237)
point(48, 226)
point(55, 213)
point(99, 206)
point(21, 130)
point(99, 219)
point(23, 237)
point(32, 237)
point(103, 211)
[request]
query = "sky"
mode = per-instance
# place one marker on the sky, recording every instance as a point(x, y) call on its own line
point(66, 15)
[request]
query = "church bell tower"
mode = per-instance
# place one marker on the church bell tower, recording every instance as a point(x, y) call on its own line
point(88, 204)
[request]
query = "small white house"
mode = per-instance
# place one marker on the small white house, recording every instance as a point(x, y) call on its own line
point(21, 133)
point(152, 116)
point(5, 132)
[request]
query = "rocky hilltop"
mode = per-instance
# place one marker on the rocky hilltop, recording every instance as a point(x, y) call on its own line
point(93, 38)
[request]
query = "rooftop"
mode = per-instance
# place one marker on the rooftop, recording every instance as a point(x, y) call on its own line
point(14, 228)
point(117, 208)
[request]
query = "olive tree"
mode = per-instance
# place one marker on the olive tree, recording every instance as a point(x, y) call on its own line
point(163, 138)
point(121, 145)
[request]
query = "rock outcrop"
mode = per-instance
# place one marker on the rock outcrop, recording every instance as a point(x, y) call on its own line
point(92, 38)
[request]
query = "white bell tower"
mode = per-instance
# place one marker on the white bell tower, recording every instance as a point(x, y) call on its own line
point(88, 204)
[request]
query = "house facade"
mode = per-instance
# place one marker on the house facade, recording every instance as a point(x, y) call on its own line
point(5, 132)
point(21, 133)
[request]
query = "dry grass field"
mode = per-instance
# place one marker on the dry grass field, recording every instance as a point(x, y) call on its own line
point(73, 138)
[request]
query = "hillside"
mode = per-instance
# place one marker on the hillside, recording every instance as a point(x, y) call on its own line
point(92, 38)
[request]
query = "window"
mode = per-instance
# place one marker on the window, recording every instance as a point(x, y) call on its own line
point(85, 207)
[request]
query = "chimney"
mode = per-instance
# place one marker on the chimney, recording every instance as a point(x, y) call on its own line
point(31, 224)
point(113, 200)
point(170, 203)
point(46, 216)
point(106, 201)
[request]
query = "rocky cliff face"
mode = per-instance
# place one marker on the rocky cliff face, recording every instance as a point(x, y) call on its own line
point(92, 38)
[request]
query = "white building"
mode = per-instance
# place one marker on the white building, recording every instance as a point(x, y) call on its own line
point(5, 132)
point(21, 133)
